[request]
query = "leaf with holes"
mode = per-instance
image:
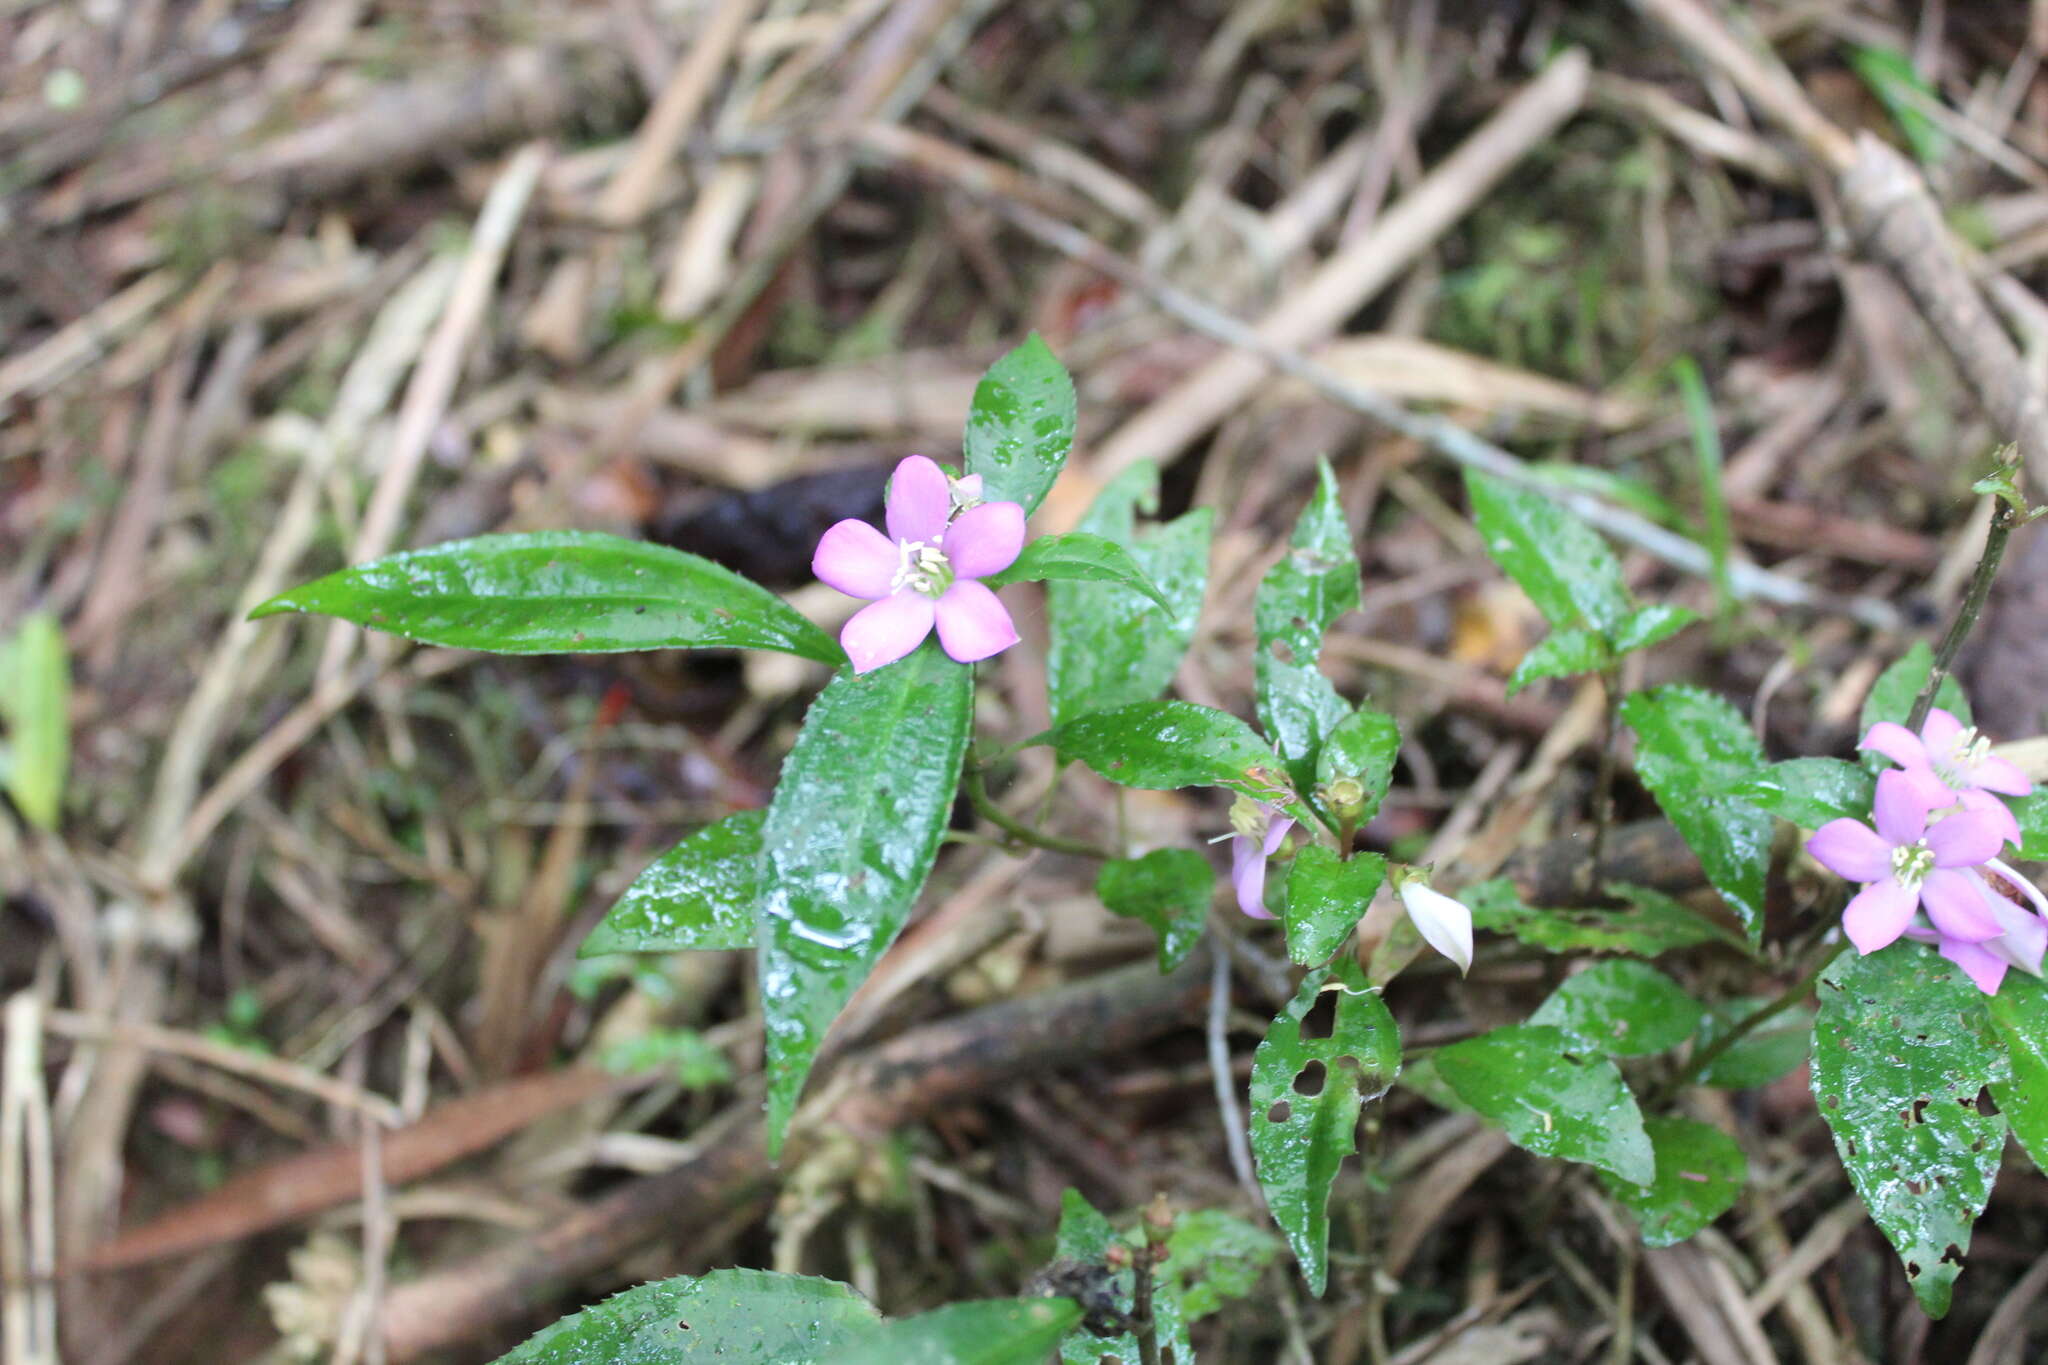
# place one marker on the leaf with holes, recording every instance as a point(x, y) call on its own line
point(1111, 645)
point(1700, 1174)
point(1021, 425)
point(982, 1332)
point(735, 1317)
point(1898, 687)
point(846, 844)
point(1653, 923)
point(1305, 1098)
point(1362, 747)
point(1694, 752)
point(1536, 1082)
point(1772, 1049)
point(1622, 1008)
point(1314, 583)
point(1168, 889)
point(698, 895)
point(1085, 1237)
point(1809, 792)
point(1079, 557)
point(1161, 745)
point(1566, 568)
point(1902, 1048)
point(559, 592)
point(1325, 898)
point(2020, 1013)
point(1561, 654)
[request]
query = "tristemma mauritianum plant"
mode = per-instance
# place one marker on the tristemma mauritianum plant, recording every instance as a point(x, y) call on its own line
point(1921, 940)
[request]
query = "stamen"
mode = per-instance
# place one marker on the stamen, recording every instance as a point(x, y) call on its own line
point(921, 568)
point(1911, 863)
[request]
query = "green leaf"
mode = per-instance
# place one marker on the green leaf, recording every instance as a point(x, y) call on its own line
point(1770, 1050)
point(1905, 96)
point(1085, 1237)
point(698, 895)
point(1562, 563)
point(735, 1317)
point(1898, 687)
point(1325, 898)
point(1079, 557)
point(1213, 1257)
point(1536, 1083)
point(982, 1332)
point(1651, 625)
point(2020, 1013)
point(1695, 753)
point(1654, 922)
point(1622, 1008)
point(1160, 745)
point(35, 708)
point(1363, 747)
point(1306, 1095)
point(1312, 585)
point(559, 592)
point(696, 1063)
point(1809, 792)
point(1561, 654)
point(1112, 645)
point(2032, 813)
point(848, 840)
point(1700, 1174)
point(1167, 889)
point(1902, 1046)
point(1021, 425)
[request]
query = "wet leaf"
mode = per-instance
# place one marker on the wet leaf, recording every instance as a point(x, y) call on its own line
point(1700, 1174)
point(1021, 425)
point(1809, 792)
point(847, 842)
point(1362, 747)
point(698, 895)
point(735, 1317)
point(2032, 813)
point(1325, 898)
point(1215, 1257)
point(559, 592)
point(1651, 625)
point(1898, 687)
point(2020, 1013)
point(1770, 1050)
point(1085, 1237)
point(1314, 583)
point(35, 718)
point(1654, 922)
point(1079, 557)
point(1902, 1047)
point(1168, 889)
point(1695, 753)
point(1161, 745)
point(982, 1332)
point(1562, 563)
point(1306, 1094)
point(1622, 1008)
point(1561, 654)
point(1538, 1084)
point(1112, 645)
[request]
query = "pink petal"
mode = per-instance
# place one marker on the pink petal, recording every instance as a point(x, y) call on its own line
point(1985, 968)
point(883, 632)
point(1877, 915)
point(985, 539)
point(1966, 838)
point(1248, 877)
point(1984, 806)
point(1955, 901)
point(973, 623)
point(1940, 731)
point(919, 501)
point(1852, 850)
point(856, 559)
point(2018, 883)
point(1928, 788)
point(1901, 808)
point(2024, 943)
point(1277, 826)
point(1997, 774)
point(1896, 743)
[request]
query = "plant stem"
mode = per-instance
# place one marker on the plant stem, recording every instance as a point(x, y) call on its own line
point(1158, 1223)
point(1790, 996)
point(1018, 832)
point(2004, 516)
point(1622, 1348)
point(1603, 787)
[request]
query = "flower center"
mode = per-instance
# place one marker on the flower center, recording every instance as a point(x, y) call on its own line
point(1247, 819)
point(1963, 758)
point(921, 568)
point(1911, 863)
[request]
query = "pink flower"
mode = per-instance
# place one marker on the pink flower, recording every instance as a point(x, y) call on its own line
point(1906, 866)
point(1259, 828)
point(925, 570)
point(1955, 765)
point(2023, 941)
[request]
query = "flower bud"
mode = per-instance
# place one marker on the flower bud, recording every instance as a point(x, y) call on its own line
point(1345, 796)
